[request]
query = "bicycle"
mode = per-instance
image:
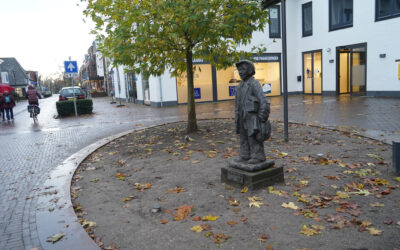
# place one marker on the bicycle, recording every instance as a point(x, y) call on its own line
point(34, 110)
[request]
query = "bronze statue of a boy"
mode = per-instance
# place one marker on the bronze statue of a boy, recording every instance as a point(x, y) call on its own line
point(251, 115)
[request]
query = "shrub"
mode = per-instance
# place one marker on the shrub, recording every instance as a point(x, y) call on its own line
point(66, 108)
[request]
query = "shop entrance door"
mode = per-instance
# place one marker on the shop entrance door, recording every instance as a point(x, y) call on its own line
point(352, 69)
point(312, 72)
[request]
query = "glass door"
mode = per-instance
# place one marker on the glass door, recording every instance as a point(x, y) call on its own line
point(352, 69)
point(358, 70)
point(312, 72)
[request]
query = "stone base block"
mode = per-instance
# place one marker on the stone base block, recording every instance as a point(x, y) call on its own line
point(251, 167)
point(253, 180)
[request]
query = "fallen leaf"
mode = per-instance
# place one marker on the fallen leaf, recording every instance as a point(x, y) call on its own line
point(290, 205)
point(120, 176)
point(244, 190)
point(381, 181)
point(182, 212)
point(309, 231)
point(388, 222)
point(273, 191)
point(87, 223)
point(185, 158)
point(263, 237)
point(231, 223)
point(396, 179)
point(282, 154)
point(210, 218)
point(195, 162)
point(377, 204)
point(234, 203)
point(374, 231)
point(56, 237)
point(141, 187)
point(128, 198)
point(255, 201)
point(197, 218)
point(197, 229)
point(176, 190)
point(361, 192)
point(220, 238)
point(342, 195)
point(245, 218)
point(375, 156)
point(95, 180)
point(163, 221)
point(269, 247)
point(290, 170)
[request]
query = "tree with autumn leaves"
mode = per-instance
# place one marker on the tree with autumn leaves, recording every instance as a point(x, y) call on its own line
point(155, 36)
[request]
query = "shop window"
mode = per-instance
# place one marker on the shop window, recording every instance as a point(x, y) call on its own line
point(275, 25)
point(267, 74)
point(307, 19)
point(340, 14)
point(386, 9)
point(202, 81)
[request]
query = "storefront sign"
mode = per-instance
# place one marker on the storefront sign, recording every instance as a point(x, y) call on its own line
point(197, 93)
point(266, 58)
point(232, 90)
point(266, 88)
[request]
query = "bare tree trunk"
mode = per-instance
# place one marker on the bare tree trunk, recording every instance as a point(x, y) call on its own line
point(192, 123)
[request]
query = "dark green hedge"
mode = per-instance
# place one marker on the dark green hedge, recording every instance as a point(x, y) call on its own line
point(66, 108)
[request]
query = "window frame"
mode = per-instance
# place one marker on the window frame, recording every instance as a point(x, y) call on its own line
point(303, 7)
point(390, 16)
point(278, 35)
point(340, 26)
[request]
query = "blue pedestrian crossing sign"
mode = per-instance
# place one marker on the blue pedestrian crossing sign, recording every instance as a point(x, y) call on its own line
point(70, 67)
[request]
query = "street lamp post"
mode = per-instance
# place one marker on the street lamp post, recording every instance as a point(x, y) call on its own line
point(267, 4)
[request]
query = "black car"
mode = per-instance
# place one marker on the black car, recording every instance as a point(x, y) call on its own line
point(68, 93)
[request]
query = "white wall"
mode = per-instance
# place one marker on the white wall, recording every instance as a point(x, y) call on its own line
point(122, 93)
point(165, 85)
point(381, 37)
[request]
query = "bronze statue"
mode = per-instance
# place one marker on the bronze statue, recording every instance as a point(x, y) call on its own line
point(251, 118)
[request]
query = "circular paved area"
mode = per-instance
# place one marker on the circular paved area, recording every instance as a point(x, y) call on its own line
point(30, 152)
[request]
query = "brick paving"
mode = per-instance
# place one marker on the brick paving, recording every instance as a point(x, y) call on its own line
point(30, 152)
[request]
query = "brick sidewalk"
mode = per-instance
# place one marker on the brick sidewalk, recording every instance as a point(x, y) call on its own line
point(29, 153)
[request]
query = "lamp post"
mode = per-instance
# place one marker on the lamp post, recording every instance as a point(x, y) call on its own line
point(266, 4)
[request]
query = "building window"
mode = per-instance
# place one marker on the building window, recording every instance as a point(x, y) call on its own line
point(387, 9)
point(307, 19)
point(340, 14)
point(275, 19)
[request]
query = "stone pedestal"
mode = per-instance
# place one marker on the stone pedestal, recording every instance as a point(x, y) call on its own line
point(253, 180)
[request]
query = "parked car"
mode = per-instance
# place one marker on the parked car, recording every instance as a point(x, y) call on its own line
point(47, 93)
point(67, 93)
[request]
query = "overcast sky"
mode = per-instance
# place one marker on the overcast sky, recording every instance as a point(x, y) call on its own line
point(42, 34)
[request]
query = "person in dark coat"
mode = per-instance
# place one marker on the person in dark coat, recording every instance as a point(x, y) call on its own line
point(2, 107)
point(8, 104)
point(251, 114)
point(32, 95)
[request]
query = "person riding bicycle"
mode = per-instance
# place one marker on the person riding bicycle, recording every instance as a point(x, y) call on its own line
point(32, 95)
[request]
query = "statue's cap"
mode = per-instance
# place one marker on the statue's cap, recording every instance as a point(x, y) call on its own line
point(247, 62)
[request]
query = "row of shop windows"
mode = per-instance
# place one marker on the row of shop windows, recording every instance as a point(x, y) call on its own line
point(218, 85)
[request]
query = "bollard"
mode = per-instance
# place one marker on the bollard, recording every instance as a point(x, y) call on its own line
point(396, 157)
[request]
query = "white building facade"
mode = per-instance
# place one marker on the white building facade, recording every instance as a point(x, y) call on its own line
point(334, 47)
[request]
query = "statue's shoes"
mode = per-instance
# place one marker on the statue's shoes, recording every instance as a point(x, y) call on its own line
point(254, 161)
point(241, 159)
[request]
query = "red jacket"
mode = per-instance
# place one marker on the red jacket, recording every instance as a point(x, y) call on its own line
point(11, 104)
point(32, 95)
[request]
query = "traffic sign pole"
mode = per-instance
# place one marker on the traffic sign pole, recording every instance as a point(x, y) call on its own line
point(71, 67)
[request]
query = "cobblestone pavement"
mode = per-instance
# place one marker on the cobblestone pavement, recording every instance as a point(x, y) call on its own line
point(29, 152)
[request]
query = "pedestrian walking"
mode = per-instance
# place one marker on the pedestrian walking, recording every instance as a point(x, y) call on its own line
point(2, 107)
point(8, 105)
